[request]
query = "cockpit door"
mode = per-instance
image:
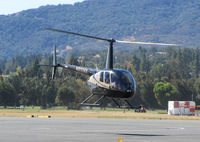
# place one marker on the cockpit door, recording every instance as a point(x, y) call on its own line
point(105, 79)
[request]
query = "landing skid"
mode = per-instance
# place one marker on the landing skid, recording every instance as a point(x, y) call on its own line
point(96, 103)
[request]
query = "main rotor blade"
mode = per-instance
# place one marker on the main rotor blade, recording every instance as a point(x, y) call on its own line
point(77, 34)
point(109, 40)
point(146, 43)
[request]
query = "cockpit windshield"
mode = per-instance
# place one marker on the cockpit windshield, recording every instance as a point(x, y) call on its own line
point(123, 79)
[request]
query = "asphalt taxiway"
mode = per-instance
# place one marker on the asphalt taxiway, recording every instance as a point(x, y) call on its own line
point(13, 129)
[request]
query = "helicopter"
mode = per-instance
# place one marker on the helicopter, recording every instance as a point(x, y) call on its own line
point(108, 82)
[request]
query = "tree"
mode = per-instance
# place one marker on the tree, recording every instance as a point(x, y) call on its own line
point(164, 92)
point(145, 64)
point(7, 93)
point(197, 88)
point(48, 95)
point(30, 92)
point(136, 62)
point(1, 71)
point(73, 60)
point(147, 94)
point(35, 69)
point(185, 89)
point(196, 64)
point(64, 96)
point(16, 81)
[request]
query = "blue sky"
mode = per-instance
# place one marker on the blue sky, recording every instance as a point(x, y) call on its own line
point(13, 6)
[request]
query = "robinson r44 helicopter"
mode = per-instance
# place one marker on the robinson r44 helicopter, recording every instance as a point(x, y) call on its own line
point(108, 82)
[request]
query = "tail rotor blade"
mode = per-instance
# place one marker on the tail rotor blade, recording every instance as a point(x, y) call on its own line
point(54, 57)
point(53, 72)
point(54, 63)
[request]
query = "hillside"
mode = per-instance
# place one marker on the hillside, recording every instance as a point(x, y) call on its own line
point(145, 20)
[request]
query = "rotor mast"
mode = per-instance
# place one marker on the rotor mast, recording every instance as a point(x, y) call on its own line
point(109, 59)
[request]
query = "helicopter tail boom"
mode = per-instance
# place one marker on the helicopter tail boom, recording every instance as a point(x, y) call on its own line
point(84, 70)
point(55, 65)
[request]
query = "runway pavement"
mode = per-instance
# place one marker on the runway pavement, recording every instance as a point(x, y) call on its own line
point(13, 129)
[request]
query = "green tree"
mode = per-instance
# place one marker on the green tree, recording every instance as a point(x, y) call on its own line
point(1, 71)
point(147, 94)
point(164, 92)
point(197, 88)
point(185, 89)
point(136, 62)
point(73, 60)
point(17, 84)
point(64, 96)
point(196, 64)
point(48, 95)
point(145, 64)
point(30, 91)
point(7, 93)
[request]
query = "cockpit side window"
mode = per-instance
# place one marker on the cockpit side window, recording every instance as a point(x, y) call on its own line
point(107, 77)
point(101, 76)
point(113, 77)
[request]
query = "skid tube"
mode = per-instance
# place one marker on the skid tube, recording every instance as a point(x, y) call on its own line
point(96, 103)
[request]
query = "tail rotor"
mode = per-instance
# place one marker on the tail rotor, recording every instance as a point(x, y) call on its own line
point(53, 72)
point(54, 63)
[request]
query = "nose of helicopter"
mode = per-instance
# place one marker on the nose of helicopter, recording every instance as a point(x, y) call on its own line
point(125, 88)
point(129, 93)
point(125, 91)
point(132, 91)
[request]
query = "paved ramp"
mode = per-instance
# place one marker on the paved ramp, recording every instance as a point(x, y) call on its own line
point(97, 130)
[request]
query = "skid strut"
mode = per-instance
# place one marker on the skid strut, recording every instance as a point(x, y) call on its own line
point(84, 103)
point(129, 105)
point(96, 103)
point(116, 102)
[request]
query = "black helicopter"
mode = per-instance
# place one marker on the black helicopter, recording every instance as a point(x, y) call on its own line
point(109, 82)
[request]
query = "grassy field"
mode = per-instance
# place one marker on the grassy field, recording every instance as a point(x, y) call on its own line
point(61, 112)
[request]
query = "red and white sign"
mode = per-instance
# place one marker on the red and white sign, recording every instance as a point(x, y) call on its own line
point(181, 107)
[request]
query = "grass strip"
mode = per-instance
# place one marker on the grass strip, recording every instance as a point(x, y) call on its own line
point(92, 114)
